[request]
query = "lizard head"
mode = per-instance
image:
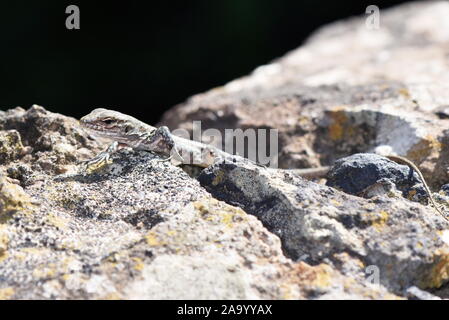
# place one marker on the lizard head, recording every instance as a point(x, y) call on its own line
point(112, 124)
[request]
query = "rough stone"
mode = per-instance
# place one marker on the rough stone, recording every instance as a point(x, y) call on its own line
point(139, 228)
point(347, 90)
point(403, 240)
point(356, 173)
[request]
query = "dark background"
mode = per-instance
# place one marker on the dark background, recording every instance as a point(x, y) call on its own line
point(143, 57)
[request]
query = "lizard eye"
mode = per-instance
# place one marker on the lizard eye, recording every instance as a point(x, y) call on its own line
point(108, 121)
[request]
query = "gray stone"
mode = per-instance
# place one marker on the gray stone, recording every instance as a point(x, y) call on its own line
point(357, 172)
point(402, 239)
point(136, 229)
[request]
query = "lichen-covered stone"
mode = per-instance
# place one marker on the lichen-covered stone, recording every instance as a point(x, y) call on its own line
point(13, 199)
point(11, 147)
point(357, 172)
point(139, 228)
point(316, 223)
point(327, 102)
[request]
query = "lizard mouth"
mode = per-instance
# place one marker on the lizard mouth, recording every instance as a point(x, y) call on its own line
point(98, 129)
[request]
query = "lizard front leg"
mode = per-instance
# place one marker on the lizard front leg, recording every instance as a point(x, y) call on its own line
point(160, 141)
point(101, 159)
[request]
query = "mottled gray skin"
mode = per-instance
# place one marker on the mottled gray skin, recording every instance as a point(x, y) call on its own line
point(128, 131)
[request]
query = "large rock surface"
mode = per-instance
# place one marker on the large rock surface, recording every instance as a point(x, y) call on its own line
point(140, 228)
point(348, 89)
point(137, 229)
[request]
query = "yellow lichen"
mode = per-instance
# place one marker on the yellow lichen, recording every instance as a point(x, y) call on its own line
point(112, 296)
point(411, 194)
point(56, 221)
point(335, 202)
point(139, 265)
point(152, 239)
point(319, 276)
point(215, 211)
point(45, 271)
point(404, 92)
point(218, 178)
point(439, 273)
point(35, 250)
point(380, 220)
point(227, 219)
point(6, 293)
point(11, 146)
point(13, 199)
point(3, 243)
point(171, 233)
point(337, 126)
point(424, 148)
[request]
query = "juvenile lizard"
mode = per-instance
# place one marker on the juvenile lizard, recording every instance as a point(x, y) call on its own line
point(125, 130)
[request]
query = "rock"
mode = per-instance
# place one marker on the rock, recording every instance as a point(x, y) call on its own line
point(354, 174)
point(328, 101)
point(400, 239)
point(13, 199)
point(11, 147)
point(140, 228)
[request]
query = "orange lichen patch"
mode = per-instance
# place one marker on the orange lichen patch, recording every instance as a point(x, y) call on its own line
point(411, 194)
point(319, 276)
point(338, 124)
point(439, 273)
point(404, 92)
point(424, 148)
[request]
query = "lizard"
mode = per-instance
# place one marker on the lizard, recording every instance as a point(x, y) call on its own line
point(125, 131)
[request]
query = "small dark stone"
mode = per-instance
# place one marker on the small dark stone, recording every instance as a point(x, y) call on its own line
point(445, 189)
point(355, 173)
